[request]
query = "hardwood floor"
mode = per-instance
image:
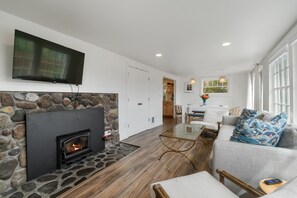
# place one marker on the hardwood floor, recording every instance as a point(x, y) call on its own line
point(131, 176)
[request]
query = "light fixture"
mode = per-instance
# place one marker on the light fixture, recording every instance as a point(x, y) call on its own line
point(192, 81)
point(222, 79)
point(226, 44)
point(158, 55)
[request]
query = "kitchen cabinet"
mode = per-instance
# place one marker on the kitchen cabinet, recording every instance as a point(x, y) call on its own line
point(167, 108)
point(168, 98)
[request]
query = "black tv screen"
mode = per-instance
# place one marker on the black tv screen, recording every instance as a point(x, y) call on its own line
point(37, 59)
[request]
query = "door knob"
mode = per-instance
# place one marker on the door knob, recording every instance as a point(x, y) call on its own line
point(140, 103)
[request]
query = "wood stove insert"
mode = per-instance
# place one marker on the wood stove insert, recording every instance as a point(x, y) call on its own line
point(73, 147)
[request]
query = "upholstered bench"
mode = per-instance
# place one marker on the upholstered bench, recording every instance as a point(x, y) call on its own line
point(202, 184)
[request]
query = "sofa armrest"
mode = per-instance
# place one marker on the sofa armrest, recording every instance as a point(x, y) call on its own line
point(251, 163)
point(229, 120)
point(223, 174)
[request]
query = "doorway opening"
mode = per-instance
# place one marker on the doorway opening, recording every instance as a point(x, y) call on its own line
point(168, 98)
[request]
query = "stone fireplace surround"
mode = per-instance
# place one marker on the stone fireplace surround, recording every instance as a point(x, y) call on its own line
point(14, 106)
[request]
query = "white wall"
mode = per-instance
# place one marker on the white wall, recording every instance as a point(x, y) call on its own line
point(104, 71)
point(237, 95)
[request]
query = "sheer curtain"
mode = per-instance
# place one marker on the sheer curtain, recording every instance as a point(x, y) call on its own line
point(294, 83)
point(250, 99)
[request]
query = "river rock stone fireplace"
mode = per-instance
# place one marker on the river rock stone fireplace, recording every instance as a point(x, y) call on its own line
point(14, 106)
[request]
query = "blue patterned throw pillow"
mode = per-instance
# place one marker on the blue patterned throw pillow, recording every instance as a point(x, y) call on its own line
point(255, 131)
point(246, 114)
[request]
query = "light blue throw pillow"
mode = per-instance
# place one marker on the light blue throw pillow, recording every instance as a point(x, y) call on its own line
point(255, 131)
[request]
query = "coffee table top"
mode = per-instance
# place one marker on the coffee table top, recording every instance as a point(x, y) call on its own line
point(184, 131)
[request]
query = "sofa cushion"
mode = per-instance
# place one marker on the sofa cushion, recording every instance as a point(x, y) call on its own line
point(246, 114)
point(288, 138)
point(229, 120)
point(226, 131)
point(255, 131)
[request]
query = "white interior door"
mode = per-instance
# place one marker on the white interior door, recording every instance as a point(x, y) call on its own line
point(138, 100)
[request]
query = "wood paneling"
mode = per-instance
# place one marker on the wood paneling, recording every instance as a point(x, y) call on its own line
point(131, 176)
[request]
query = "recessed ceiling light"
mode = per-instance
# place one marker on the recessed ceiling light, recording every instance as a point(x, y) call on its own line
point(226, 44)
point(158, 55)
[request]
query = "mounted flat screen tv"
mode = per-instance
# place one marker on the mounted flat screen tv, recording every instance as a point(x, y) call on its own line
point(37, 59)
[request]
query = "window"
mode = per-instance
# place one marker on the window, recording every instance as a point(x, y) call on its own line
point(214, 86)
point(281, 85)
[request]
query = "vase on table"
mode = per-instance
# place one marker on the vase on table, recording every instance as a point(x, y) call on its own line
point(204, 101)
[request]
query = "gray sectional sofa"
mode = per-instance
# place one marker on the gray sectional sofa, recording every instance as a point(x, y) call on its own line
point(251, 163)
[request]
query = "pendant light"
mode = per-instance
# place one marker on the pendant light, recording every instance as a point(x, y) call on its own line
point(192, 81)
point(222, 79)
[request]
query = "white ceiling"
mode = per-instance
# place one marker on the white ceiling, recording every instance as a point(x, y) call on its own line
point(188, 33)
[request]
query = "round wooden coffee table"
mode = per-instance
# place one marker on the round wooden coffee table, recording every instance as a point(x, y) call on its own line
point(270, 188)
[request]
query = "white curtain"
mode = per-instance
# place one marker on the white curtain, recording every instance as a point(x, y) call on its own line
point(249, 102)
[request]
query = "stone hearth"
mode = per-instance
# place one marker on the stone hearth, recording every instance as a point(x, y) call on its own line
point(53, 184)
point(13, 108)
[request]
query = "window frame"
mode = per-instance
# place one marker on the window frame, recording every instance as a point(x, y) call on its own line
point(293, 80)
point(272, 62)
